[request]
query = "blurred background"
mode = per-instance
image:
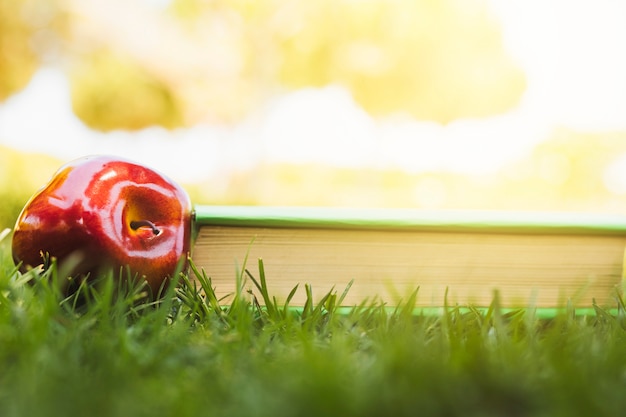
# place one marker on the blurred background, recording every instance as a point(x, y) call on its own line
point(464, 104)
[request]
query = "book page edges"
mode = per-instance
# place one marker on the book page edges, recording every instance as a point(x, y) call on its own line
point(473, 262)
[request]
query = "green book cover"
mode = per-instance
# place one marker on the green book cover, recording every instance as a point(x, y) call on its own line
point(478, 220)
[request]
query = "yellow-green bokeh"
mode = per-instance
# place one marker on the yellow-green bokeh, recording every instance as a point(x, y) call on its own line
point(111, 91)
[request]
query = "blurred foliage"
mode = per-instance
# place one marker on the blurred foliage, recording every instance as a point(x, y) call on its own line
point(434, 60)
point(110, 91)
point(132, 66)
point(20, 176)
point(568, 171)
point(18, 60)
point(32, 33)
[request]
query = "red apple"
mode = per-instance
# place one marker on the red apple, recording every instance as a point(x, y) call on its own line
point(103, 212)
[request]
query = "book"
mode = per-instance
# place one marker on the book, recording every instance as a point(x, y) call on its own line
point(529, 259)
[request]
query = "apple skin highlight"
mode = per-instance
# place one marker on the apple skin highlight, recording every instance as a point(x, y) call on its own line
point(104, 212)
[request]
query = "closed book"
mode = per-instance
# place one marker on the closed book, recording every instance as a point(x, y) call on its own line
point(530, 259)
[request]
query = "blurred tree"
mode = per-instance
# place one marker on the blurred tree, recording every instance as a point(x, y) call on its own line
point(110, 91)
point(133, 66)
point(18, 60)
point(435, 60)
point(32, 33)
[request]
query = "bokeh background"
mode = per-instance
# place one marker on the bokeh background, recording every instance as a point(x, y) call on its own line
point(471, 104)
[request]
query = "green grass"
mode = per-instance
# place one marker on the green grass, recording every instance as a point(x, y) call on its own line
point(109, 352)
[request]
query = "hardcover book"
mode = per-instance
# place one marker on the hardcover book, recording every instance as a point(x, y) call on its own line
point(544, 260)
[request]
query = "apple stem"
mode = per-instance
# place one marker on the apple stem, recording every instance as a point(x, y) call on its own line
point(136, 224)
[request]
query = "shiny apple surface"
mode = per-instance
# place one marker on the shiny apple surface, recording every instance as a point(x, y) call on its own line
point(105, 212)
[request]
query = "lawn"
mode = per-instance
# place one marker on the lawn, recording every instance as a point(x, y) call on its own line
point(109, 352)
